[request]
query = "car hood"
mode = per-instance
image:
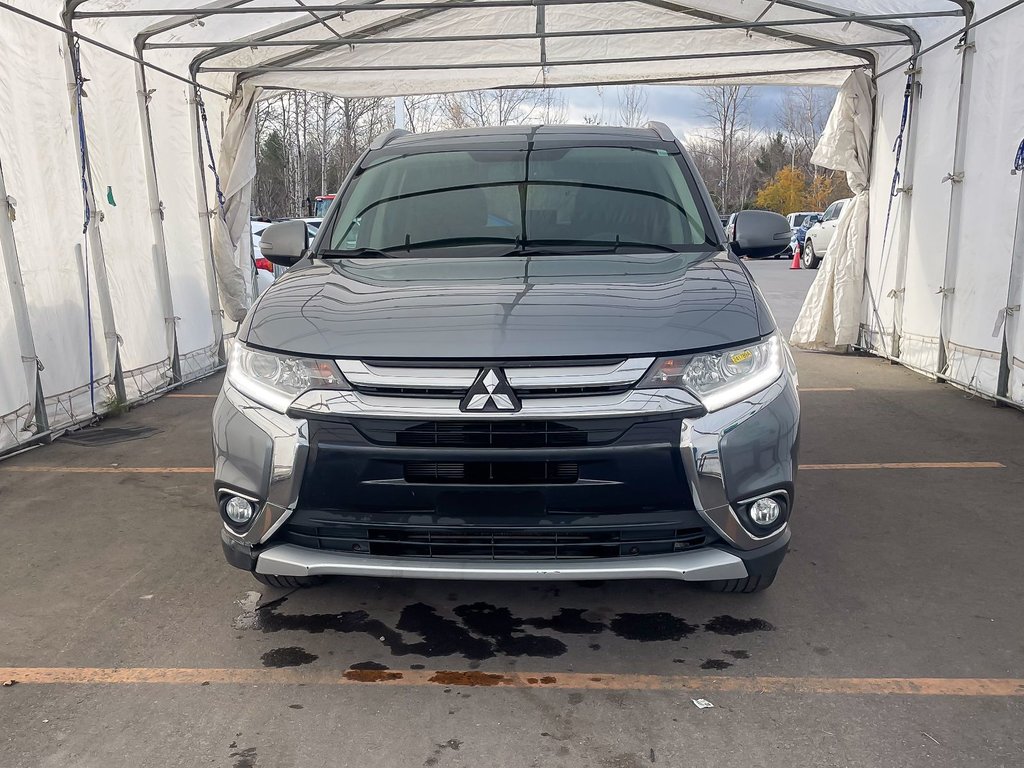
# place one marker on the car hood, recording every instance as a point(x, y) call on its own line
point(510, 307)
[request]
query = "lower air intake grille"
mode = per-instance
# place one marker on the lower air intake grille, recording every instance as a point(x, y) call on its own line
point(472, 543)
point(492, 472)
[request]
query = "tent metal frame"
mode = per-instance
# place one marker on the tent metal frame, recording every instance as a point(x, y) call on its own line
point(299, 54)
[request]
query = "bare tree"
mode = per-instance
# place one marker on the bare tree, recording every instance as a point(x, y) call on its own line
point(422, 113)
point(633, 106)
point(553, 106)
point(802, 115)
point(307, 142)
point(498, 106)
point(729, 138)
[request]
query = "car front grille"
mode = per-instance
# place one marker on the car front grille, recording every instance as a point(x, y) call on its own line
point(480, 543)
point(492, 472)
point(479, 433)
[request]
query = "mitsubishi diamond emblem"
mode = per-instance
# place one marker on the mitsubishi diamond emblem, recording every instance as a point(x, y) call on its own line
point(490, 392)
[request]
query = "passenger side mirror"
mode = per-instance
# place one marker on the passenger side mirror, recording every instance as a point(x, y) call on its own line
point(285, 242)
point(760, 234)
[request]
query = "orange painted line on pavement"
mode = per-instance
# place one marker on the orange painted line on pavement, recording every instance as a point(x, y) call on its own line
point(909, 686)
point(183, 394)
point(117, 470)
point(827, 389)
point(912, 465)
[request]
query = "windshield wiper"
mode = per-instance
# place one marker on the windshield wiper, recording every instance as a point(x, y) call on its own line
point(399, 251)
point(355, 253)
point(559, 247)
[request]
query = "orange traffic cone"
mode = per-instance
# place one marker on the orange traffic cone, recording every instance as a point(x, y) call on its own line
point(796, 257)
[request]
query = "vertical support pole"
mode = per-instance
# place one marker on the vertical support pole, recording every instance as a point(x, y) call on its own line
point(899, 290)
point(106, 306)
point(956, 196)
point(203, 200)
point(1014, 301)
point(22, 320)
point(156, 208)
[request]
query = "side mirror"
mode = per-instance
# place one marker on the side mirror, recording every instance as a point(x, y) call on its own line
point(285, 242)
point(760, 234)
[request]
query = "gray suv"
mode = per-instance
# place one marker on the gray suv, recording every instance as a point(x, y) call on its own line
point(513, 353)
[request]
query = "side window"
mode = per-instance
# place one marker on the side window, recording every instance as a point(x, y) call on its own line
point(830, 213)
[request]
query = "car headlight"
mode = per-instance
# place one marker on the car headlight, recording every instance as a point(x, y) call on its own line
point(722, 377)
point(276, 380)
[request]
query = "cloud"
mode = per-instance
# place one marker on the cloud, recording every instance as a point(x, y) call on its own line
point(681, 108)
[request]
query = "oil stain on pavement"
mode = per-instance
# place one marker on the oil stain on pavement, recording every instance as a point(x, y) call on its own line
point(292, 656)
point(479, 631)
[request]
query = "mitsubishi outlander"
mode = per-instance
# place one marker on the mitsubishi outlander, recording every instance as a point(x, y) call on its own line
point(513, 353)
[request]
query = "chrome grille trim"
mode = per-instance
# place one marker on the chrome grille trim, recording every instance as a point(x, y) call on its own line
point(555, 377)
point(360, 374)
point(632, 402)
point(614, 374)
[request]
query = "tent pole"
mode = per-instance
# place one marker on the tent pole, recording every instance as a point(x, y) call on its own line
point(905, 192)
point(110, 337)
point(203, 200)
point(22, 318)
point(956, 197)
point(156, 209)
point(1014, 300)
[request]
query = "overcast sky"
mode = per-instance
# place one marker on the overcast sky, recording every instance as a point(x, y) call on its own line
point(679, 107)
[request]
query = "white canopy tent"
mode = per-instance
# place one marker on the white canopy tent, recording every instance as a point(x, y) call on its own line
point(124, 249)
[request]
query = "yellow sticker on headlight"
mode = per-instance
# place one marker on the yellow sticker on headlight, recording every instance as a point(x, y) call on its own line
point(738, 357)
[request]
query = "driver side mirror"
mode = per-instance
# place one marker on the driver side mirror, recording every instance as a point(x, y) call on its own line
point(760, 234)
point(285, 242)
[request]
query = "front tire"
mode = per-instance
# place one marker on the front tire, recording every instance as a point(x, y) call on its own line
point(811, 260)
point(745, 586)
point(288, 582)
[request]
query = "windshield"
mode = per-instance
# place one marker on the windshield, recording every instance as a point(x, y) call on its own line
point(800, 218)
point(472, 201)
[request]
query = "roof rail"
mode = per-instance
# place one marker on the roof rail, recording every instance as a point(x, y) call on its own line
point(386, 138)
point(663, 131)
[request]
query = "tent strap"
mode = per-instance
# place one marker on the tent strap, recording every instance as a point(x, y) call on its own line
point(897, 147)
point(209, 148)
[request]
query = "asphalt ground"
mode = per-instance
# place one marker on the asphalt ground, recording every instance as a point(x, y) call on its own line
point(893, 636)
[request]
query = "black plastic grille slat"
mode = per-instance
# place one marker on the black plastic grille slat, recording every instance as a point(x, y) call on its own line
point(492, 472)
point(494, 543)
point(490, 434)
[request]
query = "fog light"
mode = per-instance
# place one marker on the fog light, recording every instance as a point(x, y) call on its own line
point(239, 510)
point(765, 511)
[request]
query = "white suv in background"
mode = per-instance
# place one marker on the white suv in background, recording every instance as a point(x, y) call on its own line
point(820, 235)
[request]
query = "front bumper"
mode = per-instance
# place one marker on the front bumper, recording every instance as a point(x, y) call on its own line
point(727, 458)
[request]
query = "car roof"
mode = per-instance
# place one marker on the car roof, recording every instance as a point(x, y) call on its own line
point(520, 136)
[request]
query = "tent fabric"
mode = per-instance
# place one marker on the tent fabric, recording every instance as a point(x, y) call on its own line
point(231, 224)
point(830, 316)
point(143, 298)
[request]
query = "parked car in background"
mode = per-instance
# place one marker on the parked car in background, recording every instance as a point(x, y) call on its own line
point(819, 236)
point(796, 219)
point(800, 233)
point(313, 226)
point(265, 275)
point(630, 411)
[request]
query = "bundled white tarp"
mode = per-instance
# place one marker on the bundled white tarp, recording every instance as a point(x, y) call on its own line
point(831, 315)
point(140, 299)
